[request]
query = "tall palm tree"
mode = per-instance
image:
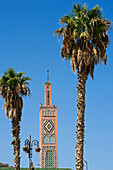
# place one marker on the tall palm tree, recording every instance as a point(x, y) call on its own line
point(13, 86)
point(84, 43)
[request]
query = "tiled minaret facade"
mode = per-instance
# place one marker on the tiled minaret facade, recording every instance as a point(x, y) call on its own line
point(48, 131)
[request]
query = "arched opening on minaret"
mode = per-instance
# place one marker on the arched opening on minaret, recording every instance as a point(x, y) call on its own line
point(48, 96)
point(49, 159)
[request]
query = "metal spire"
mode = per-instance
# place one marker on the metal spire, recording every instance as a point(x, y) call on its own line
point(47, 75)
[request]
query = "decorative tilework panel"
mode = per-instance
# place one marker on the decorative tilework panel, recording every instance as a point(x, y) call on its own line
point(49, 159)
point(52, 139)
point(46, 139)
point(48, 126)
point(49, 113)
point(44, 155)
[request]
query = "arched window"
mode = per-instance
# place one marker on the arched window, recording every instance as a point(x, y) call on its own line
point(46, 139)
point(48, 112)
point(52, 139)
point(47, 87)
point(53, 113)
point(49, 159)
point(48, 98)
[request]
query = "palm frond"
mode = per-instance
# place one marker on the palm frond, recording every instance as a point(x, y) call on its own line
point(12, 82)
point(11, 72)
point(85, 37)
point(64, 19)
point(25, 79)
point(20, 74)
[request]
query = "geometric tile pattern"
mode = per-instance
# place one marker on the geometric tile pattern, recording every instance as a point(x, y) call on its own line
point(46, 139)
point(52, 139)
point(49, 139)
point(48, 158)
point(49, 126)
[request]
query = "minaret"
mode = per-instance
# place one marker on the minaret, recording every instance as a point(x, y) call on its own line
point(48, 131)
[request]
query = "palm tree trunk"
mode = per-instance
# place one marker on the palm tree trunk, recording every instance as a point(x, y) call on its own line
point(16, 142)
point(80, 120)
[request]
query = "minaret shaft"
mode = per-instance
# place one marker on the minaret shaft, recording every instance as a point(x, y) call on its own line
point(48, 131)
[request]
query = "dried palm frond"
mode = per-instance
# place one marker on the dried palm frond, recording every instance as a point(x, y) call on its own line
point(84, 31)
point(12, 86)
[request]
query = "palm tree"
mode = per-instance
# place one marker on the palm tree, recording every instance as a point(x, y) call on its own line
point(85, 41)
point(13, 86)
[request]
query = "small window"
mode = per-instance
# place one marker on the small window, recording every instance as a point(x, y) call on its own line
point(43, 113)
point(47, 87)
point(48, 98)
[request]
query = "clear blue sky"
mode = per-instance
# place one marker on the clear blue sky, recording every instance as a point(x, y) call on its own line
point(27, 43)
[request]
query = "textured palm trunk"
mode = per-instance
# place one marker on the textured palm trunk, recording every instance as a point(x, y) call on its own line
point(16, 142)
point(80, 120)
